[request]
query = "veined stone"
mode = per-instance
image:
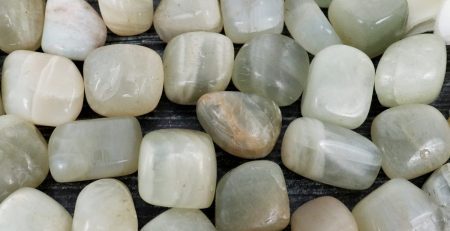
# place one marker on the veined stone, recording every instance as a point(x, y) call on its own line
point(273, 66)
point(42, 88)
point(197, 63)
point(422, 15)
point(438, 188)
point(93, 149)
point(442, 26)
point(323, 3)
point(180, 219)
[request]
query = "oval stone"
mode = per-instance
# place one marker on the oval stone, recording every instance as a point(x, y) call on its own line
point(197, 63)
point(180, 219)
point(243, 125)
point(442, 26)
point(273, 66)
point(421, 15)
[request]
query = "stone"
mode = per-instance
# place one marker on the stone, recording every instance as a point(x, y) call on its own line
point(196, 63)
point(180, 219)
point(442, 26)
point(323, 214)
point(21, 24)
point(127, 18)
point(93, 149)
point(177, 168)
point(42, 88)
point(2, 111)
point(32, 210)
point(397, 205)
point(422, 15)
point(244, 125)
point(309, 26)
point(340, 86)
point(437, 188)
point(123, 80)
point(411, 71)
point(244, 20)
point(414, 140)
point(323, 3)
point(23, 155)
point(105, 204)
point(175, 17)
point(273, 66)
point(252, 196)
point(370, 25)
point(72, 29)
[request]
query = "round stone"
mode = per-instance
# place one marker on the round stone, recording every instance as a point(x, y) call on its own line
point(180, 219)
point(442, 26)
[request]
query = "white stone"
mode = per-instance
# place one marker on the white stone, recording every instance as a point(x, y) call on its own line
point(438, 188)
point(420, 13)
point(72, 28)
point(42, 88)
point(180, 219)
point(105, 205)
point(442, 26)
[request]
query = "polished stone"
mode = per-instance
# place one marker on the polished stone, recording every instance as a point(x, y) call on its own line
point(437, 187)
point(180, 219)
point(422, 15)
point(442, 26)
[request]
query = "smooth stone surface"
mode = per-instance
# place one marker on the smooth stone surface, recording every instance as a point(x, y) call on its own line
point(323, 214)
point(414, 140)
point(177, 168)
point(309, 26)
point(442, 26)
point(42, 88)
point(411, 71)
point(197, 63)
point(123, 80)
point(2, 111)
point(105, 205)
point(21, 24)
point(243, 125)
point(175, 17)
point(93, 149)
point(273, 66)
point(23, 155)
point(370, 25)
point(340, 86)
point(32, 210)
point(127, 18)
point(323, 3)
point(422, 12)
point(437, 187)
point(397, 205)
point(244, 20)
point(72, 29)
point(180, 219)
point(252, 196)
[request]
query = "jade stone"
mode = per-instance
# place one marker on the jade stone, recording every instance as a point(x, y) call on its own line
point(180, 219)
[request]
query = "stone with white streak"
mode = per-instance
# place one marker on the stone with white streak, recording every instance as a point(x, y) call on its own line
point(180, 219)
point(442, 26)
point(422, 15)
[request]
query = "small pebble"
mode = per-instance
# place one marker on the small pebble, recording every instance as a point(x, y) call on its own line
point(442, 26)
point(180, 219)
point(422, 15)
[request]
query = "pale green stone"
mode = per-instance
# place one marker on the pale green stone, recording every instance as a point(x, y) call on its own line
point(180, 219)
point(323, 3)
point(2, 111)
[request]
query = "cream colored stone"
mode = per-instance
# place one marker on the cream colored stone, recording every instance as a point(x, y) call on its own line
point(420, 13)
point(180, 219)
point(442, 26)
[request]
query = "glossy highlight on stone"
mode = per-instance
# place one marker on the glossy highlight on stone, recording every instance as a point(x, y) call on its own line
point(180, 219)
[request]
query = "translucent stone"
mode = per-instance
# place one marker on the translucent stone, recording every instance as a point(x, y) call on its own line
point(180, 219)
point(31, 210)
point(309, 26)
point(245, 19)
point(422, 12)
point(273, 66)
point(123, 80)
point(177, 168)
point(21, 24)
point(175, 17)
point(397, 205)
point(72, 29)
point(252, 196)
point(42, 88)
point(340, 86)
point(438, 188)
point(197, 63)
point(243, 125)
point(93, 149)
point(323, 3)
point(105, 205)
point(370, 25)
point(442, 26)
point(414, 140)
point(411, 70)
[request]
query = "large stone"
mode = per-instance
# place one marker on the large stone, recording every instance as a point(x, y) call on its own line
point(180, 219)
point(422, 15)
point(442, 26)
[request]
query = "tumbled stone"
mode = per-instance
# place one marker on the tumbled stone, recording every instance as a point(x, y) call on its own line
point(175, 17)
point(93, 149)
point(72, 29)
point(243, 125)
point(31, 210)
point(129, 17)
point(123, 80)
point(21, 24)
point(421, 15)
point(177, 168)
point(414, 140)
point(105, 205)
point(438, 189)
point(180, 219)
point(411, 70)
point(397, 205)
point(244, 20)
point(442, 26)
point(370, 26)
point(197, 63)
point(340, 86)
point(309, 26)
point(273, 66)
point(42, 88)
point(323, 3)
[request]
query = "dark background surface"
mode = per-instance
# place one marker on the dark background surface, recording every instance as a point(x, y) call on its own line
point(170, 115)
